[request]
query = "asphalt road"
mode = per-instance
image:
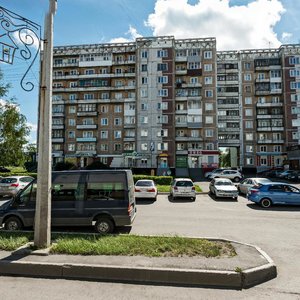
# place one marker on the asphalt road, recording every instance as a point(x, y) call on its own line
point(276, 231)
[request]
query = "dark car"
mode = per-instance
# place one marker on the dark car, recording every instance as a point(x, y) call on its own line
point(4, 170)
point(294, 176)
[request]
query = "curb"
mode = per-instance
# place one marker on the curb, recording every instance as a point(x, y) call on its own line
point(164, 276)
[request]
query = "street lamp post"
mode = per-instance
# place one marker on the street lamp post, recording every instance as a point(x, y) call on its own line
point(42, 233)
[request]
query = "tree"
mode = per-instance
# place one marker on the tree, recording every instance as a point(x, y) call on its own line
point(13, 131)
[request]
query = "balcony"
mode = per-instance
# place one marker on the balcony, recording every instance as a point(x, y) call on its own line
point(269, 104)
point(88, 126)
point(194, 124)
point(86, 139)
point(58, 126)
point(181, 112)
point(86, 153)
point(184, 138)
point(181, 124)
point(58, 140)
point(58, 114)
point(229, 142)
point(129, 139)
point(87, 113)
point(270, 141)
point(269, 128)
point(231, 130)
point(270, 116)
point(181, 152)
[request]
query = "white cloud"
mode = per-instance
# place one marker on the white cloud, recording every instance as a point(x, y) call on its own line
point(5, 102)
point(33, 132)
point(235, 27)
point(286, 37)
point(132, 33)
point(26, 37)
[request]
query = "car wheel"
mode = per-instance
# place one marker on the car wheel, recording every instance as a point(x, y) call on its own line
point(13, 224)
point(235, 198)
point(193, 198)
point(236, 179)
point(104, 226)
point(265, 203)
point(155, 198)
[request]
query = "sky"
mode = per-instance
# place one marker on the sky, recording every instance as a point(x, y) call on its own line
point(236, 24)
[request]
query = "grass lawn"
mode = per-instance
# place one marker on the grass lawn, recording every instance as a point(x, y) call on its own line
point(129, 245)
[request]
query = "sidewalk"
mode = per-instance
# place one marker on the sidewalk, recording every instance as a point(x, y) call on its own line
point(250, 267)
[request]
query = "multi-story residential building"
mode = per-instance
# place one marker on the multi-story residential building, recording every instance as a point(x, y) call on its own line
point(161, 103)
point(148, 104)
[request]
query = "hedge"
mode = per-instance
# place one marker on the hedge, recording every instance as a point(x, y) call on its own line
point(161, 180)
point(7, 174)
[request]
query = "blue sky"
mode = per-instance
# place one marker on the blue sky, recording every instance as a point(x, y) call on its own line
point(237, 24)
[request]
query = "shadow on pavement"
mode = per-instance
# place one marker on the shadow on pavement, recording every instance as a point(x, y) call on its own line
point(221, 199)
point(144, 201)
point(274, 208)
point(180, 200)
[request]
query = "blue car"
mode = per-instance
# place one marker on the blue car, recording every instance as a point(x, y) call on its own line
point(267, 194)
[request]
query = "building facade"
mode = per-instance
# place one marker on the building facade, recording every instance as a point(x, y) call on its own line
point(167, 104)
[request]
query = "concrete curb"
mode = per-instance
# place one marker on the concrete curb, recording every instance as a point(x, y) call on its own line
point(239, 279)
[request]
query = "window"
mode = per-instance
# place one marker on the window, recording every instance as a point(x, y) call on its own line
point(163, 93)
point(118, 108)
point(144, 106)
point(104, 121)
point(294, 60)
point(144, 53)
point(207, 54)
point(249, 124)
point(194, 65)
point(144, 146)
point(118, 121)
point(89, 71)
point(117, 134)
point(277, 148)
point(88, 96)
point(162, 105)
point(247, 77)
point(208, 80)
point(248, 100)
point(162, 67)
point(72, 97)
point(71, 134)
point(144, 132)
point(249, 161)
point(71, 147)
point(162, 53)
point(248, 89)
point(104, 134)
point(144, 119)
point(72, 122)
point(295, 135)
point(86, 107)
point(263, 148)
point(117, 147)
point(247, 66)
point(72, 110)
point(249, 148)
point(103, 147)
point(162, 146)
point(208, 93)
point(248, 112)
point(105, 95)
point(263, 161)
point(194, 80)
point(144, 93)
point(73, 84)
point(144, 68)
point(209, 120)
point(144, 80)
point(209, 106)
point(249, 136)
point(207, 67)
point(58, 108)
point(162, 79)
point(162, 132)
point(294, 85)
point(209, 132)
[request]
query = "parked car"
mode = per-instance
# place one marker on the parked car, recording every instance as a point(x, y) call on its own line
point(103, 199)
point(234, 175)
point(11, 185)
point(244, 186)
point(215, 171)
point(273, 173)
point(294, 176)
point(4, 170)
point(145, 188)
point(271, 193)
point(223, 187)
point(183, 188)
point(284, 174)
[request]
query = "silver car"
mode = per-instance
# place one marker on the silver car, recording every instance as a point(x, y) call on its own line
point(223, 187)
point(246, 184)
point(9, 186)
point(183, 188)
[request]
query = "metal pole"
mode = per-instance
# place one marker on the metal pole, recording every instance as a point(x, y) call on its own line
point(42, 233)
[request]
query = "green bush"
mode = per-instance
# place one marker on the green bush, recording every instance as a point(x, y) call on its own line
point(160, 180)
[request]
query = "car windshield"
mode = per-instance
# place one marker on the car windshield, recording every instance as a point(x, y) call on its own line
point(144, 183)
point(184, 183)
point(223, 183)
point(8, 180)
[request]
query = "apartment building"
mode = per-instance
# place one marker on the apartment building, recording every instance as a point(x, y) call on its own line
point(167, 104)
point(147, 104)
